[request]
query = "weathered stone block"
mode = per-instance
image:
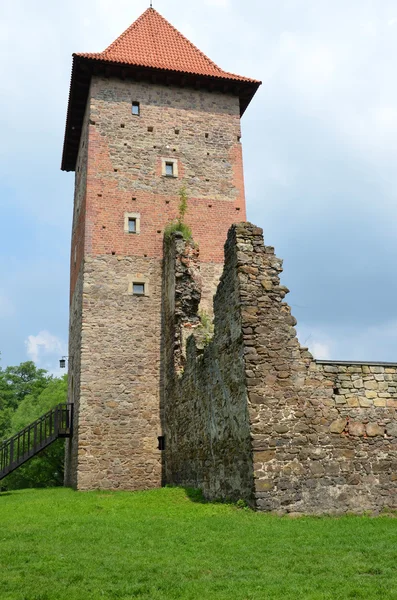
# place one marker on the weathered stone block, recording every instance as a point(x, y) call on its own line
point(391, 429)
point(373, 429)
point(263, 485)
point(338, 426)
point(356, 429)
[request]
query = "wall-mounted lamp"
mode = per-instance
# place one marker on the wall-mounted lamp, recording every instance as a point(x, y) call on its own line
point(62, 362)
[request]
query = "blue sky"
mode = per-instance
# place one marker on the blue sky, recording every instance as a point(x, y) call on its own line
point(319, 149)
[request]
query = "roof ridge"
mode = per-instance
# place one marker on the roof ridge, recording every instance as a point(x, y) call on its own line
point(189, 42)
point(141, 18)
point(132, 26)
point(153, 42)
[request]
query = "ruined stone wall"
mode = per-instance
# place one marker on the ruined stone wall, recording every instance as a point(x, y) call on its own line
point(206, 422)
point(322, 437)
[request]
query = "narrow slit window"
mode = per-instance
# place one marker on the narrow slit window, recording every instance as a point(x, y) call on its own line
point(131, 225)
point(138, 289)
point(135, 109)
point(169, 169)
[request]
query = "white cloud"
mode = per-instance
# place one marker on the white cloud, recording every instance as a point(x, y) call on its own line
point(320, 350)
point(43, 345)
point(318, 342)
point(371, 343)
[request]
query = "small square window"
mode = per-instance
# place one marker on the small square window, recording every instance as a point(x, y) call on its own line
point(131, 225)
point(135, 109)
point(132, 222)
point(138, 289)
point(169, 169)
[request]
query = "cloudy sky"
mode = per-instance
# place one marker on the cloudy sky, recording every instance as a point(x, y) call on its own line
point(319, 148)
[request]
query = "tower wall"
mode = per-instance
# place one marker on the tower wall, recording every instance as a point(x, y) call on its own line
point(115, 337)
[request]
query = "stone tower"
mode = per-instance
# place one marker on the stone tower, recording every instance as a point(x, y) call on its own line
point(146, 117)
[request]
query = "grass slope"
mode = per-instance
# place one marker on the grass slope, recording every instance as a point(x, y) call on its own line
point(57, 544)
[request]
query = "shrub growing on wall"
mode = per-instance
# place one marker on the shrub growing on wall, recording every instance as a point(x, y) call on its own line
point(179, 223)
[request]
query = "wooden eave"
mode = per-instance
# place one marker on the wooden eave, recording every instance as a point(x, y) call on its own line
point(84, 68)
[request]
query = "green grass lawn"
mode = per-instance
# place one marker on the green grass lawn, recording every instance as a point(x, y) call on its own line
point(57, 544)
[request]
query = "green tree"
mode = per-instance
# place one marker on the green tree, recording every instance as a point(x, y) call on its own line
point(15, 384)
point(23, 380)
point(33, 406)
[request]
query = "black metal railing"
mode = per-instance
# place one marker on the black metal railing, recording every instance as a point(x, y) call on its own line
point(25, 444)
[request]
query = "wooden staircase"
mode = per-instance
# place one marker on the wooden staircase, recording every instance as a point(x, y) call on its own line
point(25, 444)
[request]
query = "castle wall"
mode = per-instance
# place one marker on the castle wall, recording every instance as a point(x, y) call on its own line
point(76, 303)
point(75, 334)
point(118, 400)
point(119, 415)
point(206, 421)
point(126, 162)
point(322, 437)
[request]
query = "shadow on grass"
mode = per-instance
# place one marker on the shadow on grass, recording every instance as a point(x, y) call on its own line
point(195, 495)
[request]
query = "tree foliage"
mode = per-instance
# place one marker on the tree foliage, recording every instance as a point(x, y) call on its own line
point(26, 393)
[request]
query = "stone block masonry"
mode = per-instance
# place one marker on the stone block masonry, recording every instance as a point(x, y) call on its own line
point(205, 413)
point(253, 416)
point(115, 337)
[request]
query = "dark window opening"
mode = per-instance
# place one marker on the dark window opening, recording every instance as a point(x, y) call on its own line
point(135, 109)
point(138, 289)
point(169, 169)
point(336, 391)
point(131, 225)
point(150, 128)
point(161, 440)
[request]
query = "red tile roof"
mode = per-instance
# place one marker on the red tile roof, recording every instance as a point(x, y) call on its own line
point(150, 50)
point(151, 41)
